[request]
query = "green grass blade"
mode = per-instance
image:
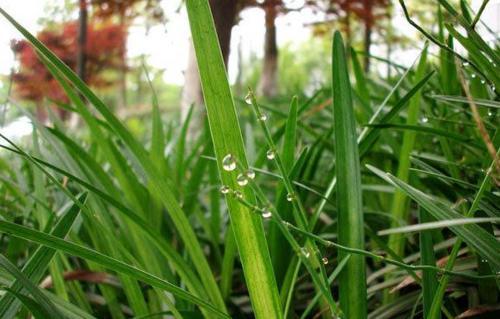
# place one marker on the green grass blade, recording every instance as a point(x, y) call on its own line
point(290, 137)
point(352, 280)
point(399, 208)
point(429, 283)
point(435, 309)
point(175, 259)
point(37, 264)
point(370, 134)
point(34, 307)
point(475, 236)
point(226, 137)
point(461, 99)
point(46, 306)
point(361, 86)
point(103, 260)
point(159, 185)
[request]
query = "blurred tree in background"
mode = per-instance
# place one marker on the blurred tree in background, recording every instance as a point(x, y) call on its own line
point(91, 48)
point(104, 52)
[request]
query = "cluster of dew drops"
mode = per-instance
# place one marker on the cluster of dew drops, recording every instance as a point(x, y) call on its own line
point(229, 164)
point(483, 81)
point(474, 75)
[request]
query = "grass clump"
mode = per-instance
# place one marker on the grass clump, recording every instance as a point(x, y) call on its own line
point(135, 226)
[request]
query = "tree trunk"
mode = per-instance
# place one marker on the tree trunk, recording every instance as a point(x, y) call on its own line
point(347, 25)
point(122, 102)
point(191, 93)
point(81, 60)
point(367, 44)
point(268, 85)
point(369, 21)
point(224, 13)
point(81, 57)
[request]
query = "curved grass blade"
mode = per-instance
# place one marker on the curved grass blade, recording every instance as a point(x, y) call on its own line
point(34, 307)
point(178, 263)
point(437, 224)
point(159, 185)
point(461, 99)
point(475, 236)
point(37, 264)
point(46, 306)
point(103, 260)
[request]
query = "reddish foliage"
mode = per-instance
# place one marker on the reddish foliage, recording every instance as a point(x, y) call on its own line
point(365, 10)
point(104, 49)
point(128, 9)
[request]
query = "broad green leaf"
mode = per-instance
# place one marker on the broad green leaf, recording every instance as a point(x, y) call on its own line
point(352, 280)
point(227, 140)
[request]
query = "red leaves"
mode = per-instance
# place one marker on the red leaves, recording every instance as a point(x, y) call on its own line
point(105, 50)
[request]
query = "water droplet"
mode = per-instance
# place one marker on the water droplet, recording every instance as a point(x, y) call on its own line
point(263, 117)
point(465, 64)
point(285, 223)
point(224, 189)
point(250, 174)
point(324, 260)
point(242, 180)
point(424, 119)
point(270, 155)
point(290, 197)
point(490, 113)
point(267, 213)
point(228, 163)
point(305, 252)
point(238, 194)
point(248, 98)
point(473, 75)
point(483, 81)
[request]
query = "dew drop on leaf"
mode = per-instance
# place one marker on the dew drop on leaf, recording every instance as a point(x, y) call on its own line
point(270, 155)
point(242, 180)
point(224, 189)
point(248, 98)
point(238, 194)
point(250, 174)
point(228, 163)
point(267, 213)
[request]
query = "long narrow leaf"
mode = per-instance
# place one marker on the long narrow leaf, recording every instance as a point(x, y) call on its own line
point(352, 280)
